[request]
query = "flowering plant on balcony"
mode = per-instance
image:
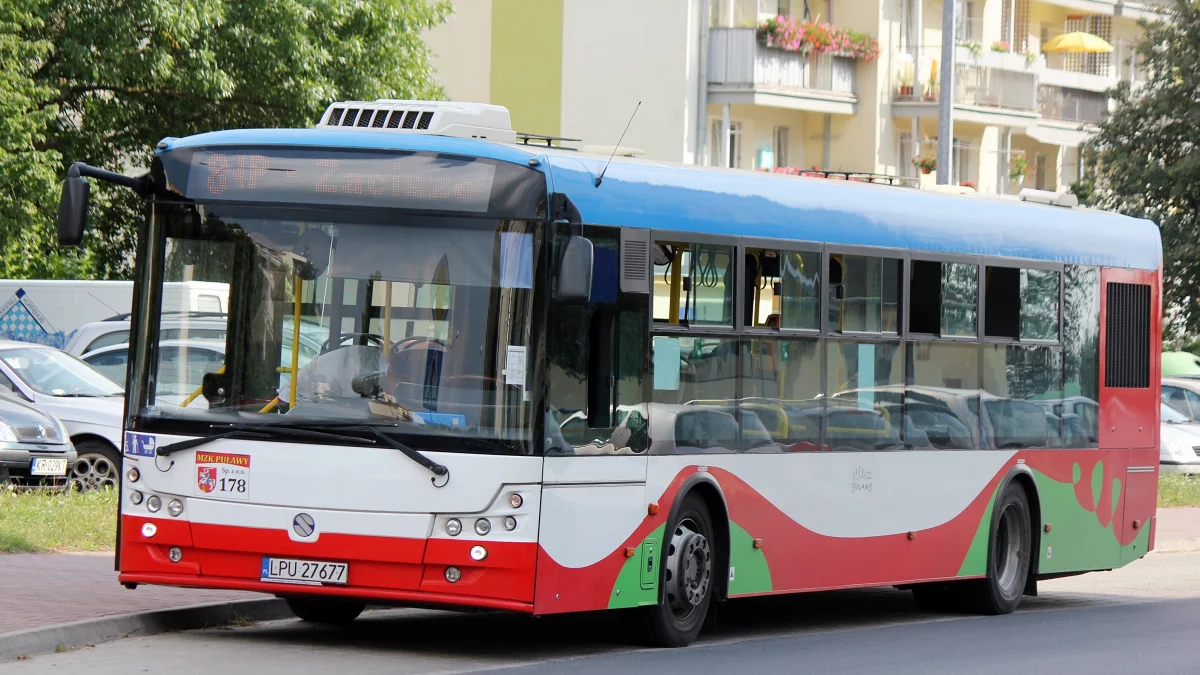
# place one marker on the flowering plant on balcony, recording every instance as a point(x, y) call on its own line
point(972, 46)
point(792, 34)
point(926, 163)
point(1018, 168)
point(970, 184)
point(1000, 46)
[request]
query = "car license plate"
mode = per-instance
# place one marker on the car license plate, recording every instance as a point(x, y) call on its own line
point(48, 466)
point(310, 572)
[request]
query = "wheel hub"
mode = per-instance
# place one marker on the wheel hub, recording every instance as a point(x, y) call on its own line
point(93, 472)
point(688, 569)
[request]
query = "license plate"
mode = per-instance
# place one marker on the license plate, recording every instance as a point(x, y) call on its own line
point(48, 466)
point(309, 572)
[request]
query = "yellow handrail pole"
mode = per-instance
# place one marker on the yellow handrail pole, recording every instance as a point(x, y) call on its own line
point(270, 406)
point(299, 283)
point(676, 283)
point(186, 401)
point(387, 317)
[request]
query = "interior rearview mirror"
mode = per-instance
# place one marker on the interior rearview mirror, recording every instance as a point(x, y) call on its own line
point(73, 210)
point(575, 272)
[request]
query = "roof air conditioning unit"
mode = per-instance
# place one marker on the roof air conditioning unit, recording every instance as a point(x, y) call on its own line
point(439, 118)
point(1063, 199)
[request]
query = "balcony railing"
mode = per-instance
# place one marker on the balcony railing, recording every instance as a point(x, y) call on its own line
point(974, 85)
point(1072, 105)
point(737, 59)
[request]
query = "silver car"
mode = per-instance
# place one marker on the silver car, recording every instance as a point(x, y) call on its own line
point(34, 449)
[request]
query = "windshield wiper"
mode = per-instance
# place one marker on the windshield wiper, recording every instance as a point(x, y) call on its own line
point(253, 432)
point(373, 429)
point(301, 432)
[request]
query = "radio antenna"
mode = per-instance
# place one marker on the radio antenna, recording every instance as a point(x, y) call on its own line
point(600, 178)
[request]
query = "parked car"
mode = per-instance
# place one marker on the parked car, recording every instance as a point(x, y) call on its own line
point(1182, 394)
point(88, 404)
point(35, 451)
point(1179, 443)
point(115, 331)
point(181, 365)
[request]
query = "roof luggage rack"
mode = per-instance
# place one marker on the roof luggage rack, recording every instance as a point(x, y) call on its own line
point(881, 178)
point(538, 139)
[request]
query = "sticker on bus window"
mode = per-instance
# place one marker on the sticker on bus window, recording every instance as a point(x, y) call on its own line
point(220, 474)
point(666, 363)
point(514, 366)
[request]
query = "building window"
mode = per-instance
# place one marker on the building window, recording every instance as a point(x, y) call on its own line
point(904, 166)
point(961, 162)
point(781, 146)
point(1015, 20)
point(735, 144)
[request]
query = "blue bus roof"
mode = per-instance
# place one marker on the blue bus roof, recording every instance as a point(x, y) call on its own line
point(683, 198)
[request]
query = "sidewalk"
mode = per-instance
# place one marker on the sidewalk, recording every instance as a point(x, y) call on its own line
point(1178, 529)
point(44, 589)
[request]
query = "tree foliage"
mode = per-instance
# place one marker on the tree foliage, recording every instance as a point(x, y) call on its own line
point(103, 82)
point(1148, 162)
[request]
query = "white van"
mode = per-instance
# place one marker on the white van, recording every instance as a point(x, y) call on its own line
point(50, 311)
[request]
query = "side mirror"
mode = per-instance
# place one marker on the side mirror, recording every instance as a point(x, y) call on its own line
point(73, 210)
point(575, 272)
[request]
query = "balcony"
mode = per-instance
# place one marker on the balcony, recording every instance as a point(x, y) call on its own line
point(742, 70)
point(1074, 106)
point(989, 89)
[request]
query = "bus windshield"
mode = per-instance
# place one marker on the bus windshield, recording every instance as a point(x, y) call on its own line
point(417, 324)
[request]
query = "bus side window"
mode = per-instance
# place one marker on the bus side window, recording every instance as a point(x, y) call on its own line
point(782, 289)
point(596, 362)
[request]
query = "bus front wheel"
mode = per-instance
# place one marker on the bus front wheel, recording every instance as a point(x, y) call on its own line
point(687, 578)
point(325, 610)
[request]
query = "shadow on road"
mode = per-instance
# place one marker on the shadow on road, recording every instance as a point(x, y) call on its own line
point(506, 636)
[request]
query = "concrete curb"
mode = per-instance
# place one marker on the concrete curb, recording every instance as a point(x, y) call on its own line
point(1176, 544)
point(91, 631)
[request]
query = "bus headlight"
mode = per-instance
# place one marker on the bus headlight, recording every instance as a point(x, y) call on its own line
point(135, 497)
point(483, 526)
point(453, 527)
point(153, 503)
point(175, 507)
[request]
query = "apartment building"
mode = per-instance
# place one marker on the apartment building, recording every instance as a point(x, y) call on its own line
point(713, 90)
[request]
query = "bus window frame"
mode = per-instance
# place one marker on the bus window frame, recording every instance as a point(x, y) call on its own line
point(952, 258)
point(781, 245)
point(1020, 264)
point(689, 238)
point(903, 255)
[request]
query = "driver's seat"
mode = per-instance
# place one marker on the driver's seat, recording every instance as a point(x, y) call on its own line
point(332, 373)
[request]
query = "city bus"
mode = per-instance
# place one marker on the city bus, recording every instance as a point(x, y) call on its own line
point(553, 382)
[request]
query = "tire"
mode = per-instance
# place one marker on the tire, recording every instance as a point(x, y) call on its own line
point(98, 466)
point(687, 579)
point(1009, 554)
point(325, 610)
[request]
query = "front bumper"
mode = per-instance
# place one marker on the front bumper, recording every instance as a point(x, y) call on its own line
point(1190, 468)
point(16, 458)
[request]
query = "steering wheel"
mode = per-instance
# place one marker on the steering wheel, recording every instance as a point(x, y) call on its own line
point(372, 339)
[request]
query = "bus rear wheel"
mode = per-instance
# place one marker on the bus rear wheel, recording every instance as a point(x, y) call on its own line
point(687, 578)
point(325, 610)
point(1009, 555)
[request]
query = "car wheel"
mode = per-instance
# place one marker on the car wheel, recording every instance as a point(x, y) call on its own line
point(325, 610)
point(97, 467)
point(687, 580)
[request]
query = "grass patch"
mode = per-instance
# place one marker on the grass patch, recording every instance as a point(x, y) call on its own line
point(35, 522)
point(1177, 489)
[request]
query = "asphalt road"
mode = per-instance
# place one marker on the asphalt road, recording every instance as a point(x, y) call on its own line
point(1143, 618)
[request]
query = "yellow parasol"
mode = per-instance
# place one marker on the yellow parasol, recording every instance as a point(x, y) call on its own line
point(1078, 43)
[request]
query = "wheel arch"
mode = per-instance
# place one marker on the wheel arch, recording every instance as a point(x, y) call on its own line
point(87, 437)
point(705, 486)
point(1022, 476)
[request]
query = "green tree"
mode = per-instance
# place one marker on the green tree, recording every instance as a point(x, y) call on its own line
point(1148, 164)
point(115, 77)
